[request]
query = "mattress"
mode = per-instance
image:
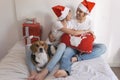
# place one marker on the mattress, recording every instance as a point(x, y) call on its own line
point(13, 67)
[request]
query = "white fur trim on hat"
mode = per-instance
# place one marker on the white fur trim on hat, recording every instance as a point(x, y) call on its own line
point(64, 13)
point(83, 8)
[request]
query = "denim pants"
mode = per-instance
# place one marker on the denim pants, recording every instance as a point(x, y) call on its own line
point(29, 63)
point(65, 62)
point(55, 59)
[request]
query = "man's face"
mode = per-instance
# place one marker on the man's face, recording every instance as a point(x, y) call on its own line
point(80, 14)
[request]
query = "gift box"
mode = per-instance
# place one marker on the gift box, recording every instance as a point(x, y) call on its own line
point(31, 32)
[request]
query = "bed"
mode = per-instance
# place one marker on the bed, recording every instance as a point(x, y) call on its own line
point(13, 67)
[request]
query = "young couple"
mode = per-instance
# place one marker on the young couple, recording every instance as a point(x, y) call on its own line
point(80, 24)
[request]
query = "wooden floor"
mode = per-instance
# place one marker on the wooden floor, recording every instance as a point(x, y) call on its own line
point(116, 70)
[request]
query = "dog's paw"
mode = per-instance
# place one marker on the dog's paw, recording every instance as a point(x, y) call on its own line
point(53, 50)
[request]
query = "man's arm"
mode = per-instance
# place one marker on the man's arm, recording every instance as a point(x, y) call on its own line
point(71, 31)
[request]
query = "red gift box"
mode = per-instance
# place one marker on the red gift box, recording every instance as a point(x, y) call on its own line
point(31, 30)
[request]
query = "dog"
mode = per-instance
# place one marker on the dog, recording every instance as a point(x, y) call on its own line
point(39, 54)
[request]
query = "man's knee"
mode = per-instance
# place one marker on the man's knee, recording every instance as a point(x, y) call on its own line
point(103, 48)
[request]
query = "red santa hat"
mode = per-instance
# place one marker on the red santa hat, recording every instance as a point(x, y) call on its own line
point(61, 11)
point(86, 6)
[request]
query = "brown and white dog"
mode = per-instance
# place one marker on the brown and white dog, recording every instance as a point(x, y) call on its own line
point(39, 54)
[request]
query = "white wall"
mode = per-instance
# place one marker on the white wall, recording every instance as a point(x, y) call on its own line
point(114, 26)
point(8, 26)
point(102, 28)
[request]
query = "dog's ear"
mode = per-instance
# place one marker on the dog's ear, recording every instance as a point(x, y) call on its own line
point(33, 48)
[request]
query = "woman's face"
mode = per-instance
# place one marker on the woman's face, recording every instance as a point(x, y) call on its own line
point(80, 14)
point(69, 16)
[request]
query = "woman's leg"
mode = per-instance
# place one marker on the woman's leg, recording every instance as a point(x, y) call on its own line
point(29, 63)
point(55, 59)
point(65, 63)
point(98, 50)
point(31, 66)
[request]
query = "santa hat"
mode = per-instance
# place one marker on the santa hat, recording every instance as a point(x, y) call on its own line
point(86, 6)
point(61, 11)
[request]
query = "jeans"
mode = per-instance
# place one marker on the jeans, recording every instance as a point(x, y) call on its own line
point(65, 62)
point(55, 59)
point(30, 65)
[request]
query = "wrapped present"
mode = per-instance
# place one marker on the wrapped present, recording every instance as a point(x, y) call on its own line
point(83, 43)
point(31, 32)
point(31, 20)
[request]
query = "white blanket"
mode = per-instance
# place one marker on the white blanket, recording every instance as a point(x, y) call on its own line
point(13, 67)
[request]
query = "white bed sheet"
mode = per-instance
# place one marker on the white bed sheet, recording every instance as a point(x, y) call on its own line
point(13, 67)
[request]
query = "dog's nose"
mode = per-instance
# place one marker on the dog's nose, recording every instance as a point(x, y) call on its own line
point(41, 49)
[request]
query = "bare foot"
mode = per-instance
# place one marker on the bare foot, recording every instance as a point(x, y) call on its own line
point(32, 75)
point(60, 73)
point(74, 59)
point(42, 75)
